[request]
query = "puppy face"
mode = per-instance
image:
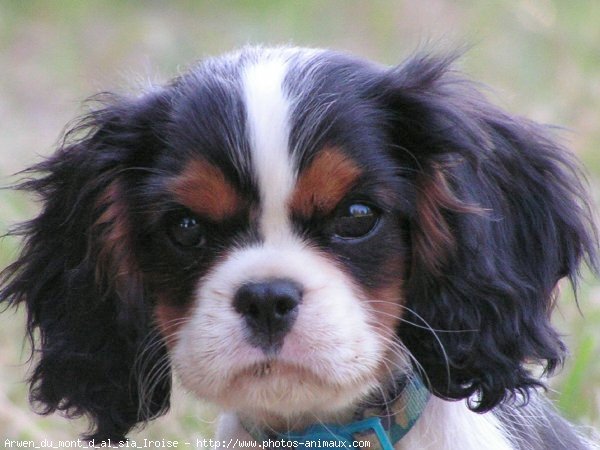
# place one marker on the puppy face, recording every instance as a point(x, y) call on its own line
point(290, 244)
point(288, 229)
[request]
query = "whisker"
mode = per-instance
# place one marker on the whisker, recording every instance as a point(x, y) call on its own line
point(473, 330)
point(427, 327)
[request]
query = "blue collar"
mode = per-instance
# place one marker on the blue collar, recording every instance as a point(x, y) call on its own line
point(383, 426)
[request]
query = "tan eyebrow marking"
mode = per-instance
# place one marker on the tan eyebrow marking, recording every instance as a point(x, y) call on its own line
point(324, 183)
point(203, 188)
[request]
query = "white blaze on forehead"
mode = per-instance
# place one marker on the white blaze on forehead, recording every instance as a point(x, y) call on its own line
point(268, 121)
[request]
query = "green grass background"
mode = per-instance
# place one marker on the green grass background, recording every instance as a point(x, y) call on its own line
point(542, 58)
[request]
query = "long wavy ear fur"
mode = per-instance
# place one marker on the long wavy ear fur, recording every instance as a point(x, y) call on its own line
point(96, 352)
point(501, 215)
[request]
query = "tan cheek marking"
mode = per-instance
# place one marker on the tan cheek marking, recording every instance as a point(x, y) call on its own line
point(386, 303)
point(169, 318)
point(324, 183)
point(387, 308)
point(203, 188)
point(386, 300)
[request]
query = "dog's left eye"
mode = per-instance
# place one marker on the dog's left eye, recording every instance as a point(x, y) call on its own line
point(355, 220)
point(187, 232)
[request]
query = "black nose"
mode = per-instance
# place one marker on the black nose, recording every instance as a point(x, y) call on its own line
point(269, 308)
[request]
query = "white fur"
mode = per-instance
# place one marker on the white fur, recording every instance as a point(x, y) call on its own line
point(443, 426)
point(229, 427)
point(268, 117)
point(452, 426)
point(331, 338)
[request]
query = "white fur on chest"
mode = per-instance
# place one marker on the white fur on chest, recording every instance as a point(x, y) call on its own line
point(443, 426)
point(452, 426)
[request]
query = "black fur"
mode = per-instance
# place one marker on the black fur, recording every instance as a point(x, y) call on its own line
point(530, 226)
point(95, 346)
point(490, 212)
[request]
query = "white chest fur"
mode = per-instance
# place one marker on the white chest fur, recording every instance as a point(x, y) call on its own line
point(443, 426)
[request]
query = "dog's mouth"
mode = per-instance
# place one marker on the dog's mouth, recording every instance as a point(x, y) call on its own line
point(274, 389)
point(263, 369)
point(274, 368)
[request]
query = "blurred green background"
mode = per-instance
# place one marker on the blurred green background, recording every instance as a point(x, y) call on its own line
point(541, 57)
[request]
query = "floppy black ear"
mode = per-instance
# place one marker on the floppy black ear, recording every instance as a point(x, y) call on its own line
point(97, 353)
point(500, 216)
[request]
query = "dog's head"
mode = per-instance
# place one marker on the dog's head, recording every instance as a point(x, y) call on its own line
point(288, 228)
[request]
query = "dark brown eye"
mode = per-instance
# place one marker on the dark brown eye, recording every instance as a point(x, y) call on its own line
point(355, 220)
point(186, 231)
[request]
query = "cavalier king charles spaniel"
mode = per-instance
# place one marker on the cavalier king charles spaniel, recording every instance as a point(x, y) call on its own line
point(326, 248)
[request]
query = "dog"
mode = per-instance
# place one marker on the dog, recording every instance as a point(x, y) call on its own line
point(324, 247)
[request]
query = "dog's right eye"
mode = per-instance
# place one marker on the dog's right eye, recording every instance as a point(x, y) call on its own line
point(355, 221)
point(185, 231)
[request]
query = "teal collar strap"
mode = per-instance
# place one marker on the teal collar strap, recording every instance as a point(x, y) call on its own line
point(383, 425)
